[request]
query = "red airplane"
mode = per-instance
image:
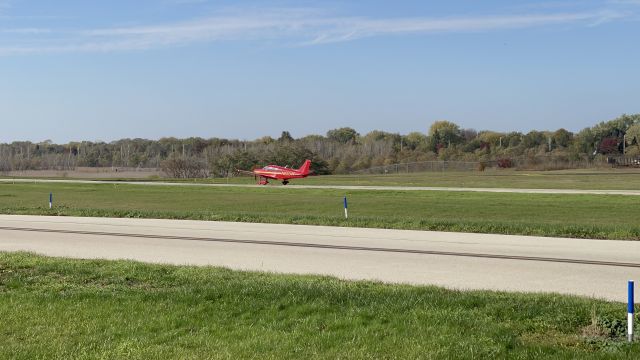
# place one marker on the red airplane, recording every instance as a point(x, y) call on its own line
point(276, 172)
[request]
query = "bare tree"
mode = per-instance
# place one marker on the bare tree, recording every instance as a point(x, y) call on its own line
point(185, 168)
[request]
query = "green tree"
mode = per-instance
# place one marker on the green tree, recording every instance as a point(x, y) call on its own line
point(285, 137)
point(444, 134)
point(533, 139)
point(512, 139)
point(632, 139)
point(343, 135)
point(562, 137)
point(491, 138)
point(415, 141)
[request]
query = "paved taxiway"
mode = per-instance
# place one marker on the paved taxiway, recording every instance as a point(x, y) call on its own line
point(341, 187)
point(598, 268)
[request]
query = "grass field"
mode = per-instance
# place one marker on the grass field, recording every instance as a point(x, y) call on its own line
point(589, 216)
point(72, 309)
point(596, 179)
point(608, 179)
point(592, 179)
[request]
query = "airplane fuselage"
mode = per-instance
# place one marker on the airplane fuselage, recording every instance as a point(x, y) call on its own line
point(279, 173)
point(283, 174)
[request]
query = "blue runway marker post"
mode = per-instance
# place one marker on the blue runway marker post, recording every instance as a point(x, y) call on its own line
point(50, 200)
point(630, 311)
point(346, 212)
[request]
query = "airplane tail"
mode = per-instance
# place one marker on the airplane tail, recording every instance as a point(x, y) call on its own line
point(304, 169)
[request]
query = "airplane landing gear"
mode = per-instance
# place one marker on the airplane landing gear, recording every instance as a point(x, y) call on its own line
point(285, 182)
point(263, 182)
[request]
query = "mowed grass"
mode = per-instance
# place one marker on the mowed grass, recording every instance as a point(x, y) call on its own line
point(586, 179)
point(79, 309)
point(596, 179)
point(587, 216)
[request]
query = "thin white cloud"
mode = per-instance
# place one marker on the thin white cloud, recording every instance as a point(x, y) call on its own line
point(366, 27)
point(299, 26)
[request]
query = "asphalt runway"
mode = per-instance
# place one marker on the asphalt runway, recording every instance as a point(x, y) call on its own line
point(594, 268)
point(337, 187)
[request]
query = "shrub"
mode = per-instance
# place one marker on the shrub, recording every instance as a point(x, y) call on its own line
point(505, 163)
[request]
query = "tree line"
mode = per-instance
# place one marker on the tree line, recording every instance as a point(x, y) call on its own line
point(338, 151)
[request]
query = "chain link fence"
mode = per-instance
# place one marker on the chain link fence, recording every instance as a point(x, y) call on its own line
point(422, 166)
point(518, 163)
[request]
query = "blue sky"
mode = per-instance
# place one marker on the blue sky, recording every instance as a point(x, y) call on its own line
point(104, 70)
